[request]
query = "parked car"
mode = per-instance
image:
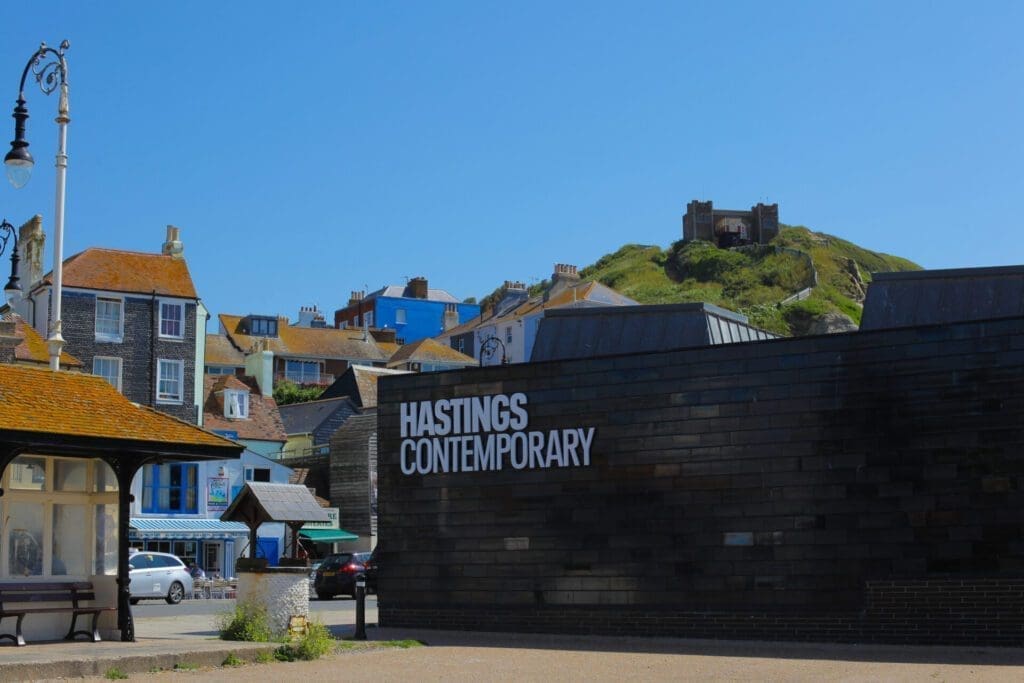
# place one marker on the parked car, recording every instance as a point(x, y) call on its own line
point(336, 575)
point(158, 575)
point(370, 566)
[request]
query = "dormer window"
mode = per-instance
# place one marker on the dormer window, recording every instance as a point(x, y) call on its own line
point(260, 326)
point(236, 404)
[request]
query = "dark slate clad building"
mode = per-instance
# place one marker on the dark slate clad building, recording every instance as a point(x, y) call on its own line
point(943, 296)
point(866, 486)
point(591, 332)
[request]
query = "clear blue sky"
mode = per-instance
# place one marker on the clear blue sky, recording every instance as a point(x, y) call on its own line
point(309, 149)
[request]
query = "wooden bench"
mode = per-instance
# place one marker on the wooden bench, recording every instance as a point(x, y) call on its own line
point(39, 598)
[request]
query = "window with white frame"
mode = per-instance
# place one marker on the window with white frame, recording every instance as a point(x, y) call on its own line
point(399, 316)
point(508, 334)
point(368, 318)
point(236, 403)
point(172, 320)
point(109, 319)
point(302, 371)
point(170, 381)
point(60, 518)
point(460, 345)
point(109, 368)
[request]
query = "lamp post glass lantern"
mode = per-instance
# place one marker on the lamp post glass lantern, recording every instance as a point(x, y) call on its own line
point(50, 71)
point(8, 234)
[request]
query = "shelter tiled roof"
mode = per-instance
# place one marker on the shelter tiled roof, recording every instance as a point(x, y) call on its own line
point(429, 351)
point(32, 347)
point(220, 351)
point(307, 342)
point(76, 404)
point(128, 271)
point(264, 421)
point(274, 503)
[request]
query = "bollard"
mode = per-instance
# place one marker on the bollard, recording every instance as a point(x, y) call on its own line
point(360, 633)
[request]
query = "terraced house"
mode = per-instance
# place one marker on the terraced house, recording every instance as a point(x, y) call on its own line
point(303, 355)
point(130, 317)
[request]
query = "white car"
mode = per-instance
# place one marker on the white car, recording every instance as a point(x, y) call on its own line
point(158, 575)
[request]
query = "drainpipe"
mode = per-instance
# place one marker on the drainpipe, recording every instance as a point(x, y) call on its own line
point(152, 351)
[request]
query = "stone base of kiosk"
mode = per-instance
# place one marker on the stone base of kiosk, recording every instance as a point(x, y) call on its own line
point(282, 591)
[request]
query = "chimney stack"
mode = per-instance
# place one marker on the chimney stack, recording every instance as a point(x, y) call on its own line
point(259, 363)
point(450, 318)
point(417, 288)
point(310, 316)
point(31, 241)
point(173, 246)
point(564, 277)
point(356, 297)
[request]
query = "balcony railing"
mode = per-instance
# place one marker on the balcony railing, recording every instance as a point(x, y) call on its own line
point(324, 380)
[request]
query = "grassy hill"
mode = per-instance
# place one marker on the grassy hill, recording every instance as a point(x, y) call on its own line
point(753, 280)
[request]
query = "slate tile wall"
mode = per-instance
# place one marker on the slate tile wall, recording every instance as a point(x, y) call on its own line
point(844, 487)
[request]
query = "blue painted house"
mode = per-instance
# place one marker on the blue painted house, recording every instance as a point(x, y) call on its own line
point(414, 311)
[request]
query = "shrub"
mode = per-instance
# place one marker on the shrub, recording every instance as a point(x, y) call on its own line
point(313, 645)
point(232, 660)
point(115, 674)
point(247, 622)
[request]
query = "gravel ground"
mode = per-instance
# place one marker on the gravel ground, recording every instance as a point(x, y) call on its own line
point(524, 658)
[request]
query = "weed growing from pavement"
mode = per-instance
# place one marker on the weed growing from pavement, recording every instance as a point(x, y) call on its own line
point(247, 622)
point(377, 644)
point(264, 657)
point(316, 642)
point(232, 660)
point(185, 666)
point(115, 674)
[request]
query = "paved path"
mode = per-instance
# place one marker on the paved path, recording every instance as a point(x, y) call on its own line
point(498, 657)
point(476, 657)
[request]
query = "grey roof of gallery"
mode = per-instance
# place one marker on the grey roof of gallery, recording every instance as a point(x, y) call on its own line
point(932, 297)
point(568, 333)
point(275, 503)
point(304, 418)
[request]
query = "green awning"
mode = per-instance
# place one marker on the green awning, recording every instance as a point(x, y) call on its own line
point(326, 535)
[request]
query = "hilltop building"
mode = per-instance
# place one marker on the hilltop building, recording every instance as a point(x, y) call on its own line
point(730, 227)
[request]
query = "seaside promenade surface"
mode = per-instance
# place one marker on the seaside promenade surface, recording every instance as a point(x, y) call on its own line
point(190, 643)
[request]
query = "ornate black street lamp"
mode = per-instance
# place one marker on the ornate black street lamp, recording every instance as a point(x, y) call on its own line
point(8, 234)
point(50, 70)
point(489, 346)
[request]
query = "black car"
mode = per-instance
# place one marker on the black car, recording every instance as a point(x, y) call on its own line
point(370, 565)
point(336, 575)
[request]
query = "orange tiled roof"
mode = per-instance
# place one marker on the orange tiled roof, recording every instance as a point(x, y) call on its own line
point(264, 421)
point(76, 404)
point(128, 271)
point(220, 351)
point(428, 350)
point(32, 347)
point(307, 342)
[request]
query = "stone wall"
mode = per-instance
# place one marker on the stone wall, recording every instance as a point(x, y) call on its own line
point(283, 591)
point(864, 486)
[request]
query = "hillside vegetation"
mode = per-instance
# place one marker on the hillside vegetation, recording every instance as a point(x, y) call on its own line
point(752, 280)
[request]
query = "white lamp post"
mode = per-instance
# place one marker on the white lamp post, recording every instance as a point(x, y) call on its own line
point(50, 76)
